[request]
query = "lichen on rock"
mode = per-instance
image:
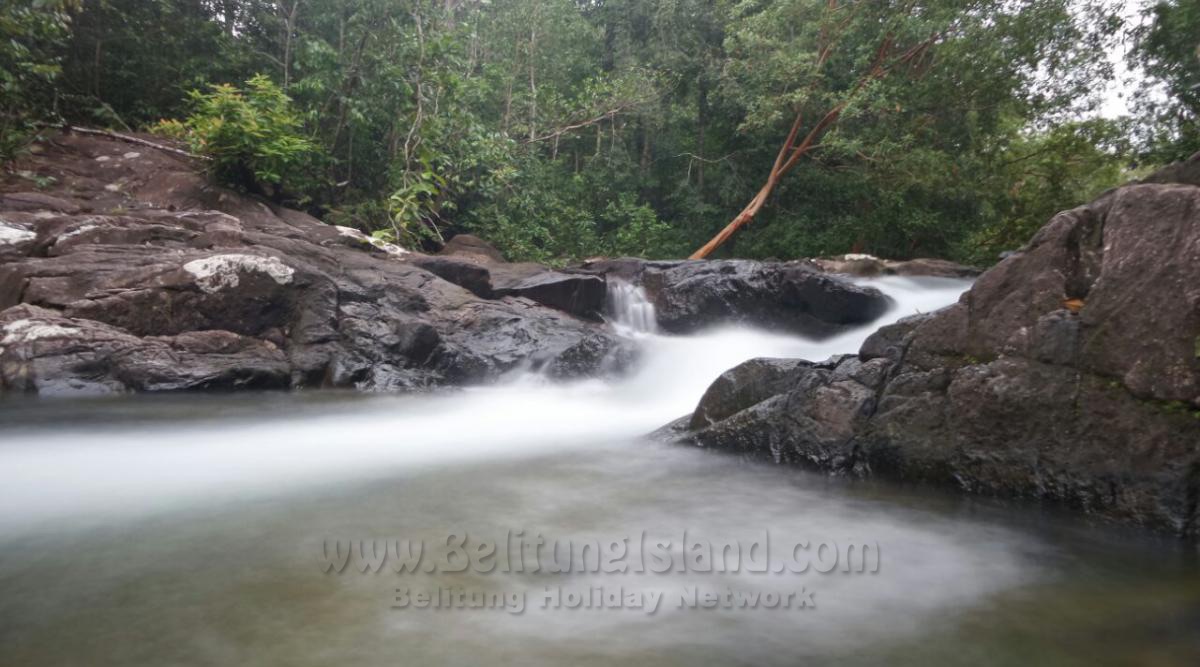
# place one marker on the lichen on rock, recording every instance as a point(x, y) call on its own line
point(219, 272)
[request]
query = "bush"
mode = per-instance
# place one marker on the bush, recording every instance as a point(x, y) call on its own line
point(32, 32)
point(252, 135)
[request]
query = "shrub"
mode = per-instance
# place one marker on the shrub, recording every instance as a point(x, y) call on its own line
point(252, 135)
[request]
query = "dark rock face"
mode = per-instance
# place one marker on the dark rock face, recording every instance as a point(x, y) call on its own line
point(579, 294)
point(1069, 373)
point(787, 296)
point(133, 273)
point(746, 386)
point(467, 274)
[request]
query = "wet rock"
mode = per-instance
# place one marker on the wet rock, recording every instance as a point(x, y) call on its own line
point(745, 386)
point(812, 422)
point(43, 352)
point(891, 341)
point(1069, 373)
point(466, 274)
point(786, 296)
point(579, 294)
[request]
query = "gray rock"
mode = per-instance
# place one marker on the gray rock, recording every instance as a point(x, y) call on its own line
point(1069, 373)
point(787, 296)
point(464, 273)
point(579, 294)
point(746, 386)
point(868, 266)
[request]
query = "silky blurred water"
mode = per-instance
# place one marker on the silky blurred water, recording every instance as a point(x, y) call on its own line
point(189, 530)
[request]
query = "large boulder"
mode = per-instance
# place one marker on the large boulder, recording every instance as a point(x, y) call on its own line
point(579, 294)
point(795, 297)
point(132, 272)
point(1069, 373)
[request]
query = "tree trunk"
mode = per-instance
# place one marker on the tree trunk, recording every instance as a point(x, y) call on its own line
point(532, 84)
point(791, 152)
point(701, 131)
point(289, 26)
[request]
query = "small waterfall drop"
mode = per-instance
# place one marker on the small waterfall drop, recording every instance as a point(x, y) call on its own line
point(630, 307)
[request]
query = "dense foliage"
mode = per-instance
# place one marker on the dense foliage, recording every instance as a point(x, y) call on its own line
point(251, 134)
point(31, 35)
point(560, 129)
point(1169, 49)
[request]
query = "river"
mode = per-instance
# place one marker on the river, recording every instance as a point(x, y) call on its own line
point(197, 530)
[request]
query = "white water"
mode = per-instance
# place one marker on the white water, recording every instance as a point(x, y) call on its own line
point(101, 475)
point(630, 308)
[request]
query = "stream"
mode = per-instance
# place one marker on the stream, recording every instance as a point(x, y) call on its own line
point(209, 530)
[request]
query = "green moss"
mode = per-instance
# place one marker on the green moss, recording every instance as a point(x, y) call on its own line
point(973, 360)
point(1177, 408)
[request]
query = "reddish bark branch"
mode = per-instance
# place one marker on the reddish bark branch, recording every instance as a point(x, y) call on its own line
point(790, 153)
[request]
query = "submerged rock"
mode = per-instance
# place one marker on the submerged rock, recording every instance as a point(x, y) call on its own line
point(170, 283)
point(1070, 373)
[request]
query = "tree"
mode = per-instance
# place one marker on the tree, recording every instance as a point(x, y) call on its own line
point(32, 32)
point(562, 129)
point(133, 62)
point(1168, 48)
point(833, 22)
point(1028, 60)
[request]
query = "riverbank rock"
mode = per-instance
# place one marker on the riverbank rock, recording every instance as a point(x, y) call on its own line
point(1069, 373)
point(128, 271)
point(580, 294)
point(867, 266)
point(794, 297)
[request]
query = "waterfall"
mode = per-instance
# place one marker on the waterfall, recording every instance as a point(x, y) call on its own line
point(62, 468)
point(630, 308)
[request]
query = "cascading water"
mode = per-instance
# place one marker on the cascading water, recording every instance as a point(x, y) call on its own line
point(630, 308)
point(191, 527)
point(78, 472)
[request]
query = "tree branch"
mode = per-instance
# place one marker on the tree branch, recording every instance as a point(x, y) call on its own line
point(135, 140)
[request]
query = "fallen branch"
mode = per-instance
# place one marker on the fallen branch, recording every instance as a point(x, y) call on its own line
point(135, 140)
point(576, 126)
